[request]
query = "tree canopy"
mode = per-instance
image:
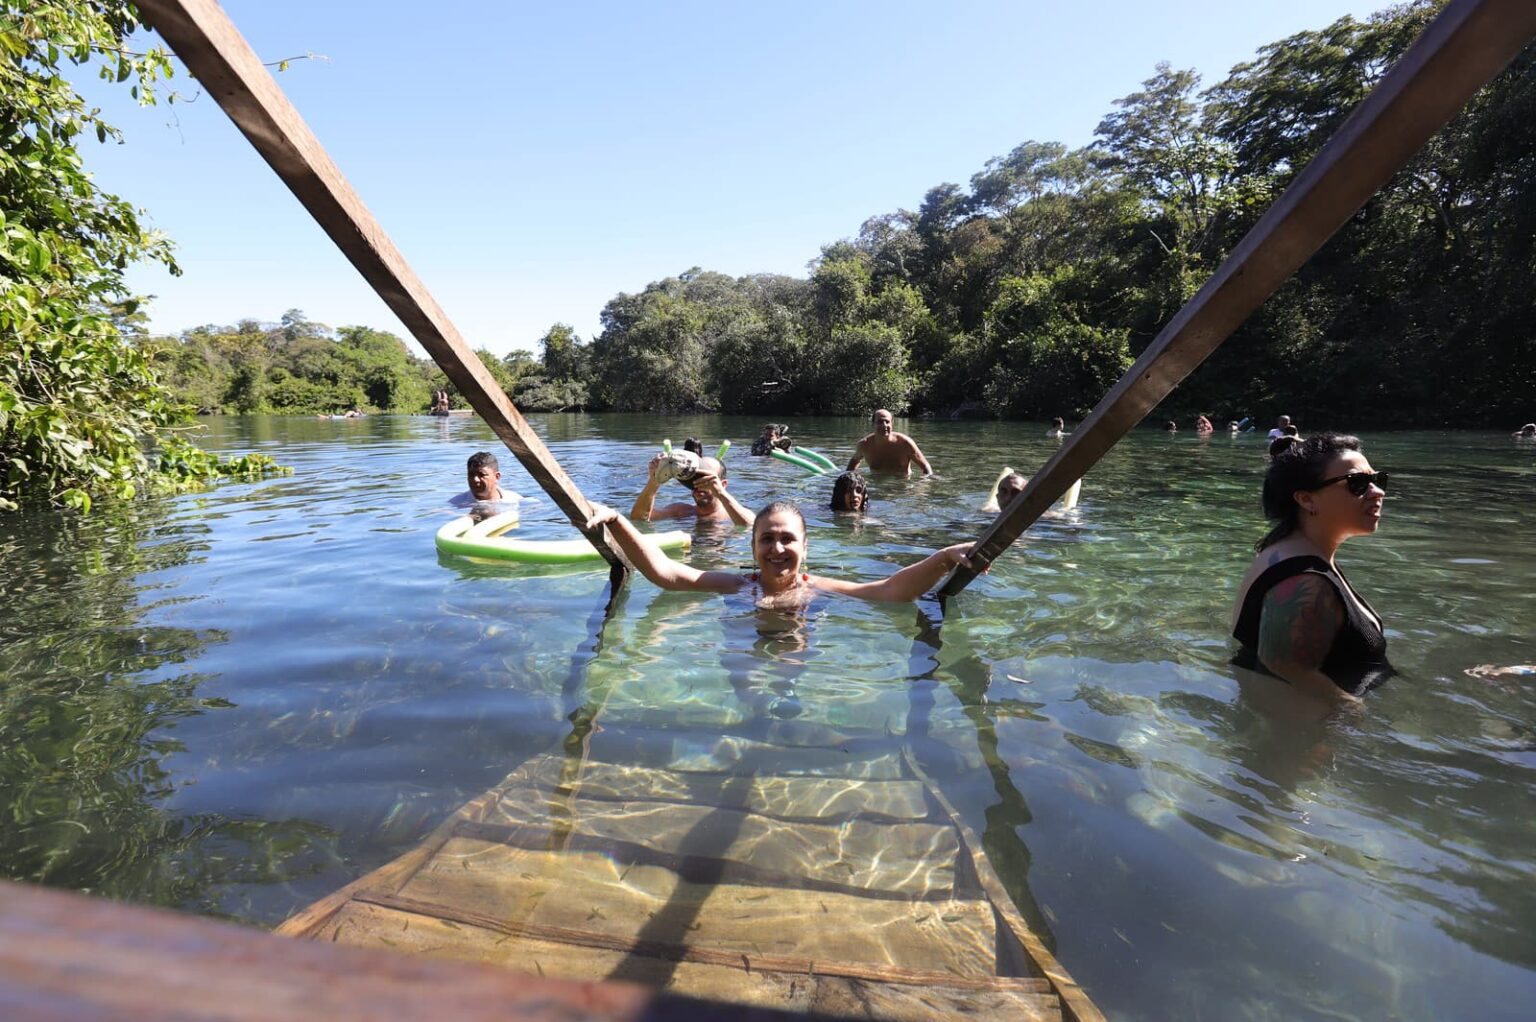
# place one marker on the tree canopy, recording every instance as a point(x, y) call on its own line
point(82, 412)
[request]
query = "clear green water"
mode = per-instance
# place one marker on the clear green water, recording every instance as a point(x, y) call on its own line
point(234, 702)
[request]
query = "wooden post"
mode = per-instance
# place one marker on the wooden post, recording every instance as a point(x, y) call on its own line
point(1458, 53)
point(223, 62)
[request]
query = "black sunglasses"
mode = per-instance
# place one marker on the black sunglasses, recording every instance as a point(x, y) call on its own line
point(1358, 482)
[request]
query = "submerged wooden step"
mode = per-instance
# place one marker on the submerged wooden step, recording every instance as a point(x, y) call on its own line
point(912, 859)
point(833, 878)
point(839, 989)
point(872, 757)
point(788, 798)
point(590, 891)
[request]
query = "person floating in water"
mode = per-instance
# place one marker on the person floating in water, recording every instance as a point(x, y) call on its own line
point(850, 493)
point(711, 502)
point(780, 580)
point(1170, 426)
point(774, 436)
point(887, 450)
point(1010, 484)
point(1296, 615)
point(1058, 429)
point(1203, 426)
point(439, 403)
point(484, 483)
point(1526, 432)
point(1281, 425)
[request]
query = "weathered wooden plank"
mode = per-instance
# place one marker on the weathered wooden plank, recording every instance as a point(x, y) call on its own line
point(589, 890)
point(1458, 53)
point(1076, 1005)
point(225, 65)
point(389, 877)
point(66, 957)
point(910, 859)
point(780, 797)
point(756, 980)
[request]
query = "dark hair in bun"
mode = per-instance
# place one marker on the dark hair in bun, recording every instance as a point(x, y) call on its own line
point(1297, 465)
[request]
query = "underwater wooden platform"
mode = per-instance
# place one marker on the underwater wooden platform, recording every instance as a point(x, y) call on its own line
point(832, 878)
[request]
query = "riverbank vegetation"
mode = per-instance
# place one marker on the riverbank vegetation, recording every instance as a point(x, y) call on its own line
point(82, 412)
point(1027, 292)
point(1022, 294)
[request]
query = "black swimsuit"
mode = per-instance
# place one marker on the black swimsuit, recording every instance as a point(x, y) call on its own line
point(1357, 660)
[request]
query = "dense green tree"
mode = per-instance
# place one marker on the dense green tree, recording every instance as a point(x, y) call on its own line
point(82, 411)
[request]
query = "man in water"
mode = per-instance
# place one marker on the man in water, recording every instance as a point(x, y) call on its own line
point(710, 501)
point(484, 483)
point(1280, 428)
point(886, 450)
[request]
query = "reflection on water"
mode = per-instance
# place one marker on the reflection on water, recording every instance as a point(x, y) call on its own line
point(238, 701)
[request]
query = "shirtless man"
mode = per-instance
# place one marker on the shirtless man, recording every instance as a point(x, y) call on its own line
point(710, 501)
point(888, 451)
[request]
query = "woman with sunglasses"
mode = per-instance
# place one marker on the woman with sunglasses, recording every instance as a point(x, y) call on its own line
point(1297, 617)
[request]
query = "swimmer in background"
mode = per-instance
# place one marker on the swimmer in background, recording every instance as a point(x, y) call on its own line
point(780, 581)
point(484, 485)
point(1281, 425)
point(1170, 426)
point(850, 493)
point(887, 450)
point(773, 437)
point(1526, 432)
point(1010, 484)
point(1058, 429)
point(1203, 426)
point(711, 502)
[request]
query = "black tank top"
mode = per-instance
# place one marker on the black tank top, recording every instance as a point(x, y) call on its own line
point(1357, 660)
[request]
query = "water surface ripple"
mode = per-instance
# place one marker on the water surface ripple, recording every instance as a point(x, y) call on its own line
point(237, 701)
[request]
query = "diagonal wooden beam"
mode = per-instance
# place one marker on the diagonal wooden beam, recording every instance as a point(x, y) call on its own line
point(213, 49)
point(1458, 53)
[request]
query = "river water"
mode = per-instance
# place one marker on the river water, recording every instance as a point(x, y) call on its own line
point(236, 701)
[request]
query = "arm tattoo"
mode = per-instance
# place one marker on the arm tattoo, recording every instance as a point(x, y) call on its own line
point(1300, 619)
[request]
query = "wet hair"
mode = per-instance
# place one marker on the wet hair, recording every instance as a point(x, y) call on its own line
point(483, 459)
point(849, 482)
point(1291, 431)
point(1282, 443)
point(1059, 422)
point(692, 445)
point(1023, 481)
point(787, 506)
point(1170, 426)
point(1298, 466)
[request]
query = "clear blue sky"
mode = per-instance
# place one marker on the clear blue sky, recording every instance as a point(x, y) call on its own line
point(532, 162)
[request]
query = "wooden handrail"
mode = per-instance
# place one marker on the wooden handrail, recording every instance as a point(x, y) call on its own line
point(213, 49)
point(1458, 53)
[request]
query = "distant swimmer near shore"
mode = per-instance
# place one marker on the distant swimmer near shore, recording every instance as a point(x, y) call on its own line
point(778, 551)
point(1058, 429)
point(887, 450)
point(1526, 432)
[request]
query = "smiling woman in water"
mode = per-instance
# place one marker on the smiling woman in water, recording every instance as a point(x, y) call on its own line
point(778, 550)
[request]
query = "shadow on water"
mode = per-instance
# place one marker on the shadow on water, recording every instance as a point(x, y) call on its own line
point(968, 680)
